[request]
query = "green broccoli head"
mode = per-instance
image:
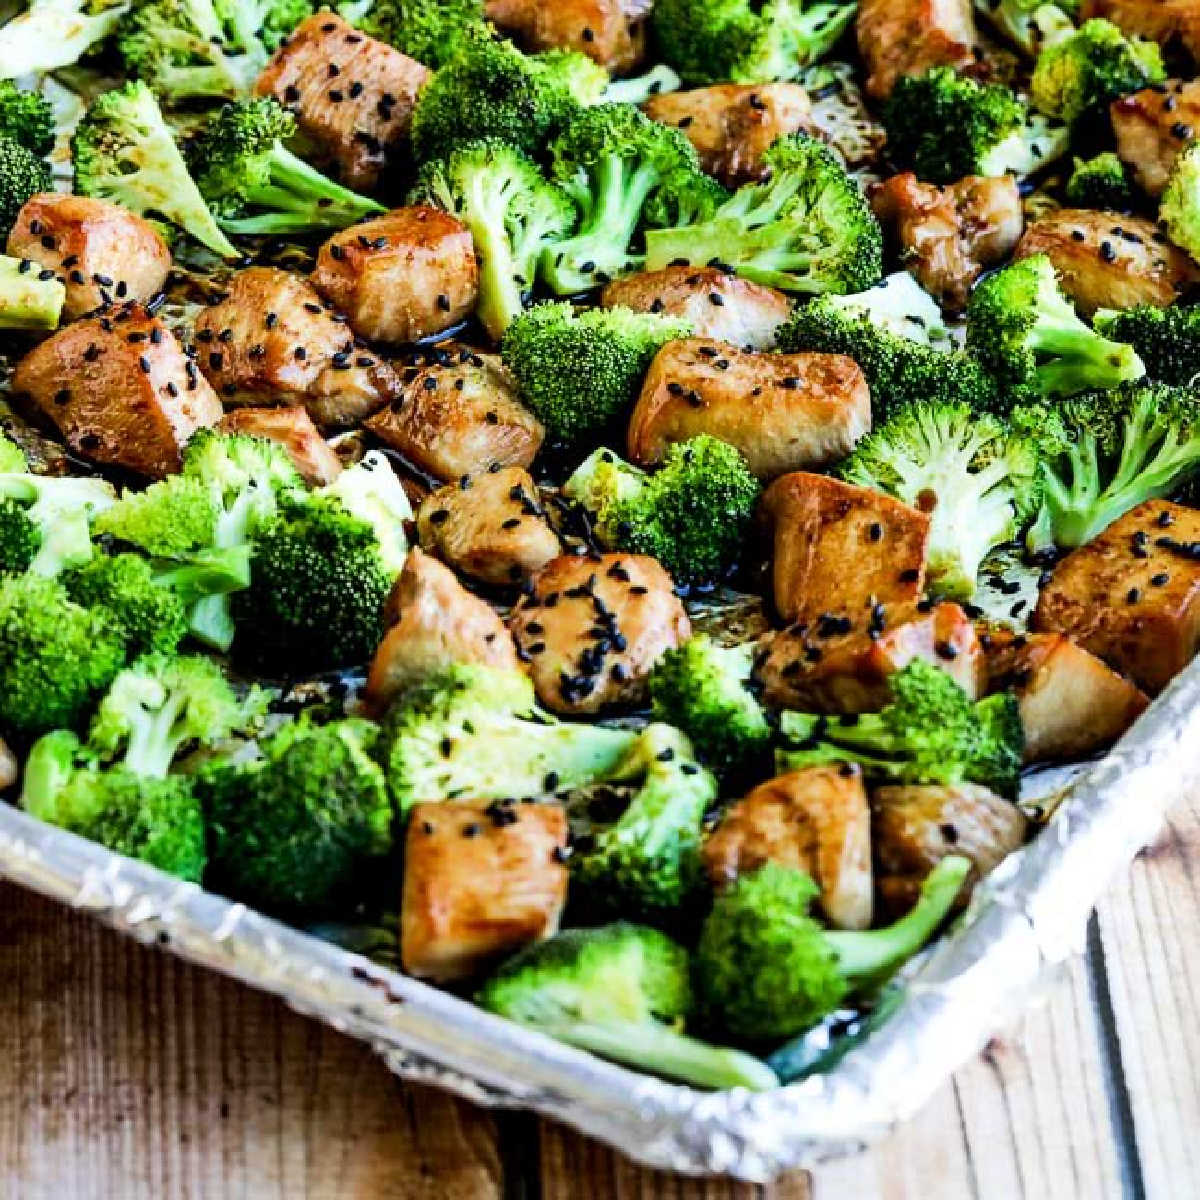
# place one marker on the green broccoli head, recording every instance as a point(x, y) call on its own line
point(292, 829)
point(807, 229)
point(50, 34)
point(276, 18)
point(26, 117)
point(1026, 332)
point(61, 508)
point(1030, 25)
point(765, 969)
point(1179, 210)
point(1099, 182)
point(431, 31)
point(171, 519)
point(152, 618)
point(22, 175)
point(1077, 76)
point(20, 538)
point(1167, 340)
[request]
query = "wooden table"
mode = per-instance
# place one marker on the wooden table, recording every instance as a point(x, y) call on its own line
point(125, 1074)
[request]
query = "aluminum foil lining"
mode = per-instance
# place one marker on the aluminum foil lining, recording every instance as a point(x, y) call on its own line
point(1028, 917)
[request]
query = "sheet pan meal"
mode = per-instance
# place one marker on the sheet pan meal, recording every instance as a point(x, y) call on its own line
point(596, 505)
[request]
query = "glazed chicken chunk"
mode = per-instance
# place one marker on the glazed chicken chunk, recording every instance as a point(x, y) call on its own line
point(353, 96)
point(294, 430)
point(103, 253)
point(592, 626)
point(816, 820)
point(491, 527)
point(459, 414)
point(733, 125)
point(481, 880)
point(273, 340)
point(1132, 595)
point(1169, 22)
point(1153, 125)
point(842, 550)
point(720, 306)
point(948, 235)
point(784, 412)
point(400, 277)
point(1106, 260)
point(908, 37)
point(120, 390)
point(610, 32)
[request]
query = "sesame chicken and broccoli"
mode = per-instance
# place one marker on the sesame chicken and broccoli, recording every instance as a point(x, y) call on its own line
point(556, 472)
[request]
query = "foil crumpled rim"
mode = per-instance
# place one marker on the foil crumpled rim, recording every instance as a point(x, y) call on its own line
point(1028, 916)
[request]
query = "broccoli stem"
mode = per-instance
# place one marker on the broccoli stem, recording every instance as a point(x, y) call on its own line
point(154, 737)
point(204, 584)
point(1081, 357)
point(51, 34)
point(48, 769)
point(26, 301)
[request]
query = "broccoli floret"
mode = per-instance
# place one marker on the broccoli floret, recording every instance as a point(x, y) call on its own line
point(1077, 76)
point(1179, 211)
point(993, 132)
point(371, 491)
point(580, 371)
point(929, 732)
point(256, 185)
point(28, 301)
point(739, 41)
point(51, 34)
point(155, 819)
point(55, 656)
point(978, 482)
point(152, 617)
point(473, 731)
point(22, 174)
point(123, 151)
point(277, 19)
point(1167, 340)
point(590, 83)
point(896, 335)
point(807, 229)
point(1104, 453)
point(489, 89)
point(292, 829)
point(431, 31)
point(26, 117)
point(1099, 182)
point(612, 160)
point(765, 969)
point(620, 991)
point(19, 538)
point(1030, 25)
point(693, 514)
point(513, 214)
point(1027, 333)
point(173, 518)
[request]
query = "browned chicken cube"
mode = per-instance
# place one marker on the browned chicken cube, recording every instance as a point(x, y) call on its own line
point(592, 626)
point(491, 527)
point(103, 253)
point(908, 37)
point(434, 623)
point(481, 880)
point(120, 390)
point(1071, 703)
point(732, 125)
point(353, 96)
point(1132, 595)
point(459, 414)
point(816, 820)
point(784, 412)
point(400, 277)
point(1153, 125)
point(1169, 22)
point(836, 666)
point(294, 430)
point(272, 340)
point(913, 827)
point(720, 306)
point(842, 550)
point(947, 236)
point(610, 32)
point(1106, 260)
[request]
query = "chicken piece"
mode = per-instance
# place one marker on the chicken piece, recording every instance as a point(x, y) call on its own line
point(102, 252)
point(353, 96)
point(829, 667)
point(434, 623)
point(732, 125)
point(816, 820)
point(400, 277)
point(481, 880)
point(743, 314)
point(610, 32)
point(491, 527)
point(1071, 703)
point(908, 37)
point(842, 550)
point(459, 414)
point(294, 430)
point(913, 827)
point(592, 626)
point(1164, 21)
point(1131, 596)
point(1152, 126)
point(947, 236)
point(120, 390)
point(272, 340)
point(9, 770)
point(1106, 260)
point(784, 412)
